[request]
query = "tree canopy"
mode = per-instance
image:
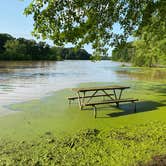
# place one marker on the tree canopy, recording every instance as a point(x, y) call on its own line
point(92, 21)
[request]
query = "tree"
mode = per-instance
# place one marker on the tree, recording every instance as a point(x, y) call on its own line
point(3, 39)
point(92, 21)
point(15, 50)
point(24, 49)
point(150, 45)
point(124, 52)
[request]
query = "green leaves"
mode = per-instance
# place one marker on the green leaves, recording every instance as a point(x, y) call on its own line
point(83, 22)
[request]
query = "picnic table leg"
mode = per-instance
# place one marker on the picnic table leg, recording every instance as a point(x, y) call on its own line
point(79, 100)
point(83, 98)
point(120, 94)
point(95, 111)
point(117, 103)
point(135, 107)
point(69, 102)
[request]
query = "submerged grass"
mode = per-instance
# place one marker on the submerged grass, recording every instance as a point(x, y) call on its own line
point(142, 73)
point(47, 131)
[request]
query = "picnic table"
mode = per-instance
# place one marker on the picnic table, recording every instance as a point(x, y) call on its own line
point(112, 93)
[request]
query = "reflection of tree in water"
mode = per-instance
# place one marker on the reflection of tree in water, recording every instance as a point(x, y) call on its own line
point(5, 65)
point(5, 88)
point(24, 68)
point(148, 75)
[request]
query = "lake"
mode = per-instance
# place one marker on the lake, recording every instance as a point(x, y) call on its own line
point(26, 80)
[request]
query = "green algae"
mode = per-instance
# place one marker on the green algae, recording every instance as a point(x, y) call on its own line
point(53, 113)
point(117, 147)
point(47, 131)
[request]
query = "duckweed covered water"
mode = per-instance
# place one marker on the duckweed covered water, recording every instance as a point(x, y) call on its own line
point(49, 131)
point(53, 113)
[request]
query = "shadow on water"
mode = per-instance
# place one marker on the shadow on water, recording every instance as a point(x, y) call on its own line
point(128, 108)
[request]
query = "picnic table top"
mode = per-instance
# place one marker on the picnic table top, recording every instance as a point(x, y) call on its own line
point(112, 87)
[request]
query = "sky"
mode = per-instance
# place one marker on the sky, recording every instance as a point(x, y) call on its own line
point(12, 21)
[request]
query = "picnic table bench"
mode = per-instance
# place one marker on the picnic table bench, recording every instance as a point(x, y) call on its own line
point(113, 93)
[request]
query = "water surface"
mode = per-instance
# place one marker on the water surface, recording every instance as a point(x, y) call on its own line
point(21, 81)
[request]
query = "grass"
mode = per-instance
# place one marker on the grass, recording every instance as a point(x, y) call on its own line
point(43, 130)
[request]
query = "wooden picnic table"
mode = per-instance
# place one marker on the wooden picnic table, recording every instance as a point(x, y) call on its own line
point(113, 93)
point(100, 88)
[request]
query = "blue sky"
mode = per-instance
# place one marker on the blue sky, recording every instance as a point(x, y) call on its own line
point(13, 21)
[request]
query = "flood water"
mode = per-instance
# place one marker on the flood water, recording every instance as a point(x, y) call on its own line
point(21, 81)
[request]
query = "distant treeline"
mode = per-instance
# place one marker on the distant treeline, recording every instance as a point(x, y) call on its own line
point(23, 49)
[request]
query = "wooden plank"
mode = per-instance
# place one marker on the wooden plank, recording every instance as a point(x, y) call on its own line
point(100, 88)
point(92, 96)
point(111, 101)
point(108, 94)
point(102, 95)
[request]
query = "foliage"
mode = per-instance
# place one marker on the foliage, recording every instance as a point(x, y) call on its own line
point(149, 47)
point(71, 53)
point(123, 52)
point(3, 38)
point(14, 49)
point(105, 58)
point(23, 49)
point(116, 147)
point(83, 22)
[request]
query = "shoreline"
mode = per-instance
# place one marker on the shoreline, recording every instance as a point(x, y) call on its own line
point(7, 110)
point(19, 96)
point(53, 114)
